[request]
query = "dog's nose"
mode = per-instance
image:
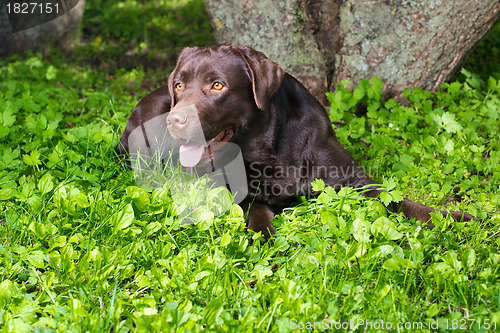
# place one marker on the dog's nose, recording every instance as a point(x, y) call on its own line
point(176, 120)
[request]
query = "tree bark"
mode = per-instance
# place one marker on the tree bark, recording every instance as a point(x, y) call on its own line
point(58, 31)
point(280, 29)
point(407, 43)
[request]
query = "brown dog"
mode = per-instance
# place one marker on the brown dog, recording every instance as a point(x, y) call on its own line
point(284, 133)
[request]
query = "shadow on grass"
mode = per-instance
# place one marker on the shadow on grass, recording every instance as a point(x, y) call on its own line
point(483, 60)
point(148, 33)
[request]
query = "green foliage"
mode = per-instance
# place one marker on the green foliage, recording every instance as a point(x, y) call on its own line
point(155, 30)
point(83, 248)
point(483, 59)
point(453, 132)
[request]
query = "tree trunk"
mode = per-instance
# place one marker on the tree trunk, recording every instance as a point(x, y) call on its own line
point(19, 33)
point(404, 42)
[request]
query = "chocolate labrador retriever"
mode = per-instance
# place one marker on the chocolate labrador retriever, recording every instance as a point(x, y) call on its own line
point(284, 133)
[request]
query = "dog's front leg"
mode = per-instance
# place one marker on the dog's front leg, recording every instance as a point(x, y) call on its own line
point(258, 217)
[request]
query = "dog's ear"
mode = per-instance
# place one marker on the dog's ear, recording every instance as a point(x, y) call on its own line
point(172, 75)
point(266, 75)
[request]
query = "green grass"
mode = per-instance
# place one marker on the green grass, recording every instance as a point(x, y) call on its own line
point(82, 248)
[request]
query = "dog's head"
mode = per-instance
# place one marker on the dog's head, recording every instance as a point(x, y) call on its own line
point(217, 93)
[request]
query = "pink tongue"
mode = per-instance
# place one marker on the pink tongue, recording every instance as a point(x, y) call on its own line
point(190, 155)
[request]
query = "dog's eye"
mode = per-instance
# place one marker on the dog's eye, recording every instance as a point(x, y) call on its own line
point(179, 86)
point(217, 86)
